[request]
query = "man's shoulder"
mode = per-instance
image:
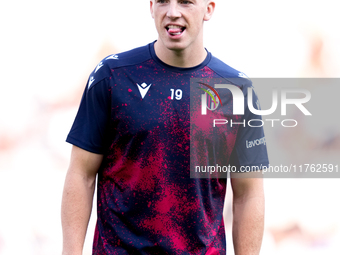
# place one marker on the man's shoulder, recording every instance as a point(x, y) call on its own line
point(224, 70)
point(127, 58)
point(107, 65)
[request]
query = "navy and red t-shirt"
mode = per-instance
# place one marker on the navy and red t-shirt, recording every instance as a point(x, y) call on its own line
point(136, 111)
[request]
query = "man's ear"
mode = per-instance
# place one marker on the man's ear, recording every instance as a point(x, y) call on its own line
point(151, 8)
point(209, 10)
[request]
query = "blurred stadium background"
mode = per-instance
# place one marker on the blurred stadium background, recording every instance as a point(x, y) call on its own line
point(48, 49)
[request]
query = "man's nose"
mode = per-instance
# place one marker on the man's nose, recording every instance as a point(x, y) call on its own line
point(173, 11)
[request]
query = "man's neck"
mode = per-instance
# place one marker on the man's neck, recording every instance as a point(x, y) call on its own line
point(181, 58)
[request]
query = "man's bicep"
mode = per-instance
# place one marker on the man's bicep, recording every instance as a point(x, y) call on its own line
point(246, 184)
point(250, 150)
point(84, 162)
point(90, 127)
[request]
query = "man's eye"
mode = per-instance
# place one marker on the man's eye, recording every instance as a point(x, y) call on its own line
point(161, 1)
point(185, 2)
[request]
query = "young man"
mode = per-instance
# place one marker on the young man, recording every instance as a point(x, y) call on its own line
point(133, 130)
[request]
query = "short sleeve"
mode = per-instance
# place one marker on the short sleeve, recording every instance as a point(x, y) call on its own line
point(250, 150)
point(89, 130)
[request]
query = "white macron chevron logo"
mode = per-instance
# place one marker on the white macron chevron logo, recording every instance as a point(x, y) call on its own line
point(143, 89)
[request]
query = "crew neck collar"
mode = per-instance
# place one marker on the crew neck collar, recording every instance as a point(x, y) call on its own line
point(178, 69)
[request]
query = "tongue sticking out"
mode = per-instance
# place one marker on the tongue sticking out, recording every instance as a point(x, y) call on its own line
point(175, 31)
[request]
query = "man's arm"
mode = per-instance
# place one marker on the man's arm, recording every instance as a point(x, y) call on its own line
point(77, 198)
point(248, 213)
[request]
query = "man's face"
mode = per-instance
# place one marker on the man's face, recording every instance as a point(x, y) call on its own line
point(180, 23)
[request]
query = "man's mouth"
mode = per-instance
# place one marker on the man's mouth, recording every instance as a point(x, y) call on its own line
point(175, 30)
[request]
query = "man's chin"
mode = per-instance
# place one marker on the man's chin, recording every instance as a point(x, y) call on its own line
point(175, 46)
